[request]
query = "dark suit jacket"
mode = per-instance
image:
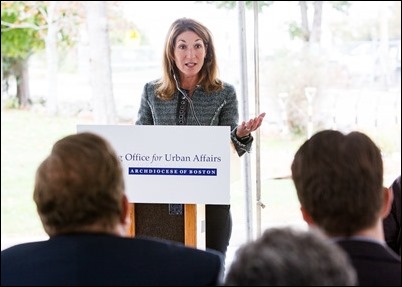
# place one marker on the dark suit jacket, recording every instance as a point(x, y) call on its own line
point(376, 265)
point(392, 223)
point(100, 259)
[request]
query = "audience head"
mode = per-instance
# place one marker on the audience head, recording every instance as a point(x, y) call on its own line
point(290, 257)
point(80, 187)
point(339, 182)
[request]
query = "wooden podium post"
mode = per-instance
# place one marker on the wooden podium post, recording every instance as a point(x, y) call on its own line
point(152, 220)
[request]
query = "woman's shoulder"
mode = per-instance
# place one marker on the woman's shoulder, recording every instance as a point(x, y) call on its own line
point(150, 87)
point(227, 89)
point(152, 83)
point(228, 86)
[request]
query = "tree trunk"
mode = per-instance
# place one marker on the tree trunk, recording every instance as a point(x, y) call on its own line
point(51, 60)
point(315, 36)
point(100, 63)
point(22, 77)
point(384, 60)
point(304, 20)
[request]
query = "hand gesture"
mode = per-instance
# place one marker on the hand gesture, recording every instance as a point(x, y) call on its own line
point(245, 128)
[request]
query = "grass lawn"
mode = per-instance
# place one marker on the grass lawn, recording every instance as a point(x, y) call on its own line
point(26, 139)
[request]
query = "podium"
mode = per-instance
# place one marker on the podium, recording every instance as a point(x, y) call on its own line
point(154, 220)
point(185, 169)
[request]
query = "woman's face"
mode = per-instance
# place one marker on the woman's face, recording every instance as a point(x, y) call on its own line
point(189, 54)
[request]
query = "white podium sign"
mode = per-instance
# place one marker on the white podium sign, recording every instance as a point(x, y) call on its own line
point(172, 164)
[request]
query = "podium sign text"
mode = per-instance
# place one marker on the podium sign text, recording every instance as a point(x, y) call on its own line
point(172, 164)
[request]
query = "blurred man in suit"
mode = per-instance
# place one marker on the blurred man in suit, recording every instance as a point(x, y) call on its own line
point(392, 223)
point(80, 197)
point(339, 183)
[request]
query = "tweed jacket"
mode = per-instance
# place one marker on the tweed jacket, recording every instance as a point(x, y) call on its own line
point(214, 109)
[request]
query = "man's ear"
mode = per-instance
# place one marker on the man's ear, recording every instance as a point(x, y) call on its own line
point(125, 210)
point(387, 202)
point(125, 219)
point(306, 216)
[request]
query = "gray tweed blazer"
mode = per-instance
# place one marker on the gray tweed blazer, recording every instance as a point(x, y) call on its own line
point(215, 109)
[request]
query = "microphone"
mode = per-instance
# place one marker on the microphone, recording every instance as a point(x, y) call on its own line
point(177, 209)
point(190, 101)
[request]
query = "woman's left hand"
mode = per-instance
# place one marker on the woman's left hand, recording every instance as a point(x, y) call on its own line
point(245, 128)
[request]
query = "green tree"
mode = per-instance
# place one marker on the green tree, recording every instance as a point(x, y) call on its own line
point(22, 26)
point(30, 26)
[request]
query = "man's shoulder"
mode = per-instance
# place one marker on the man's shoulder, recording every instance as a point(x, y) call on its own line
point(176, 247)
point(368, 250)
